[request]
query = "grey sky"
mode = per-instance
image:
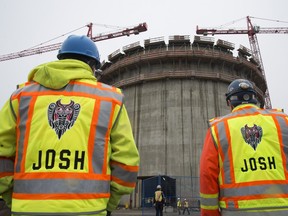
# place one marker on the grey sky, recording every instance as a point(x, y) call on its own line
point(25, 24)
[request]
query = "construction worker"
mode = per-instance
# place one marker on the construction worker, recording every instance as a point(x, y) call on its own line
point(159, 200)
point(186, 207)
point(179, 206)
point(243, 166)
point(66, 142)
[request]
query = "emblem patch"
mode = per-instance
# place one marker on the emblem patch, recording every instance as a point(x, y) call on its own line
point(252, 135)
point(62, 116)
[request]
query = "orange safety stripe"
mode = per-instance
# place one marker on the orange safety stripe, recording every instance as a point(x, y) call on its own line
point(65, 93)
point(5, 174)
point(284, 159)
point(24, 84)
point(56, 175)
point(99, 86)
point(126, 167)
point(221, 153)
point(286, 171)
point(121, 182)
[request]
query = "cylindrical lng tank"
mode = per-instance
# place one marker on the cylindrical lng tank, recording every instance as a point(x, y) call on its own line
point(171, 91)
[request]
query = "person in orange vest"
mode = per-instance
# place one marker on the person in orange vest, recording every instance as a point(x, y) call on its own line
point(159, 200)
point(243, 166)
point(66, 141)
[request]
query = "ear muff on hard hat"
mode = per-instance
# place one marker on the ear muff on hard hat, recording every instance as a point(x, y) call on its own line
point(79, 45)
point(241, 91)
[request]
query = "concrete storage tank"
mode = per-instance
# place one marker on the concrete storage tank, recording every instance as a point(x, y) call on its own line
point(171, 91)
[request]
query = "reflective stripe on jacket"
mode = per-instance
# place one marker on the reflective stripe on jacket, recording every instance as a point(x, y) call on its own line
point(75, 149)
point(251, 145)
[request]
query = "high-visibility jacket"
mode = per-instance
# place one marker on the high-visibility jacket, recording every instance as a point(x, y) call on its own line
point(186, 204)
point(179, 204)
point(159, 196)
point(243, 165)
point(72, 141)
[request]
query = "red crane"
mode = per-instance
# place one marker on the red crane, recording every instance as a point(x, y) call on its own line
point(251, 31)
point(33, 51)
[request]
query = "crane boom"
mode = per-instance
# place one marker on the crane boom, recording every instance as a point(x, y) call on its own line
point(251, 31)
point(33, 51)
point(281, 30)
point(29, 52)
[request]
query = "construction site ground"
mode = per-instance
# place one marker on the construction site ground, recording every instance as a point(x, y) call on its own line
point(168, 211)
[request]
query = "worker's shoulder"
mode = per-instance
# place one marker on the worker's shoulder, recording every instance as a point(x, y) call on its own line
point(22, 85)
point(216, 119)
point(100, 85)
point(277, 110)
point(109, 87)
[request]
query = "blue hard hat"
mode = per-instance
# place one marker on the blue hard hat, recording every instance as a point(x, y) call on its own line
point(81, 45)
point(241, 91)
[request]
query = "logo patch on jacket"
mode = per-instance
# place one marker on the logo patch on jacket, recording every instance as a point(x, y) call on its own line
point(62, 116)
point(252, 135)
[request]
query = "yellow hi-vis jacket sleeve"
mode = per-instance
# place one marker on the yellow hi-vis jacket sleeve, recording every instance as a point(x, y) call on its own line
point(126, 159)
point(7, 151)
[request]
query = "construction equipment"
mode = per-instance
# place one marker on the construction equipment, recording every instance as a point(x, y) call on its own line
point(251, 31)
point(33, 51)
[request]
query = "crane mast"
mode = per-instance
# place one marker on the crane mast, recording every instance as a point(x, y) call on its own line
point(33, 51)
point(257, 55)
point(251, 31)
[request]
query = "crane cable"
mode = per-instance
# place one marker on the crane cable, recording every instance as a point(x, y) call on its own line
point(269, 20)
point(103, 25)
point(230, 23)
point(57, 37)
point(244, 18)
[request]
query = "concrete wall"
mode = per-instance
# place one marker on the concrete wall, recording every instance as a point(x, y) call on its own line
point(171, 91)
point(169, 119)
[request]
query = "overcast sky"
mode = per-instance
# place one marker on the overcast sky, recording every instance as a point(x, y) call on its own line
point(27, 23)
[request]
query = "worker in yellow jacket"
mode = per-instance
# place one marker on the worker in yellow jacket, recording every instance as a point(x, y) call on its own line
point(159, 200)
point(66, 143)
point(179, 206)
point(243, 166)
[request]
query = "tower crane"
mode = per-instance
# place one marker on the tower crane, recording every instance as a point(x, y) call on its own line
point(251, 31)
point(33, 51)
